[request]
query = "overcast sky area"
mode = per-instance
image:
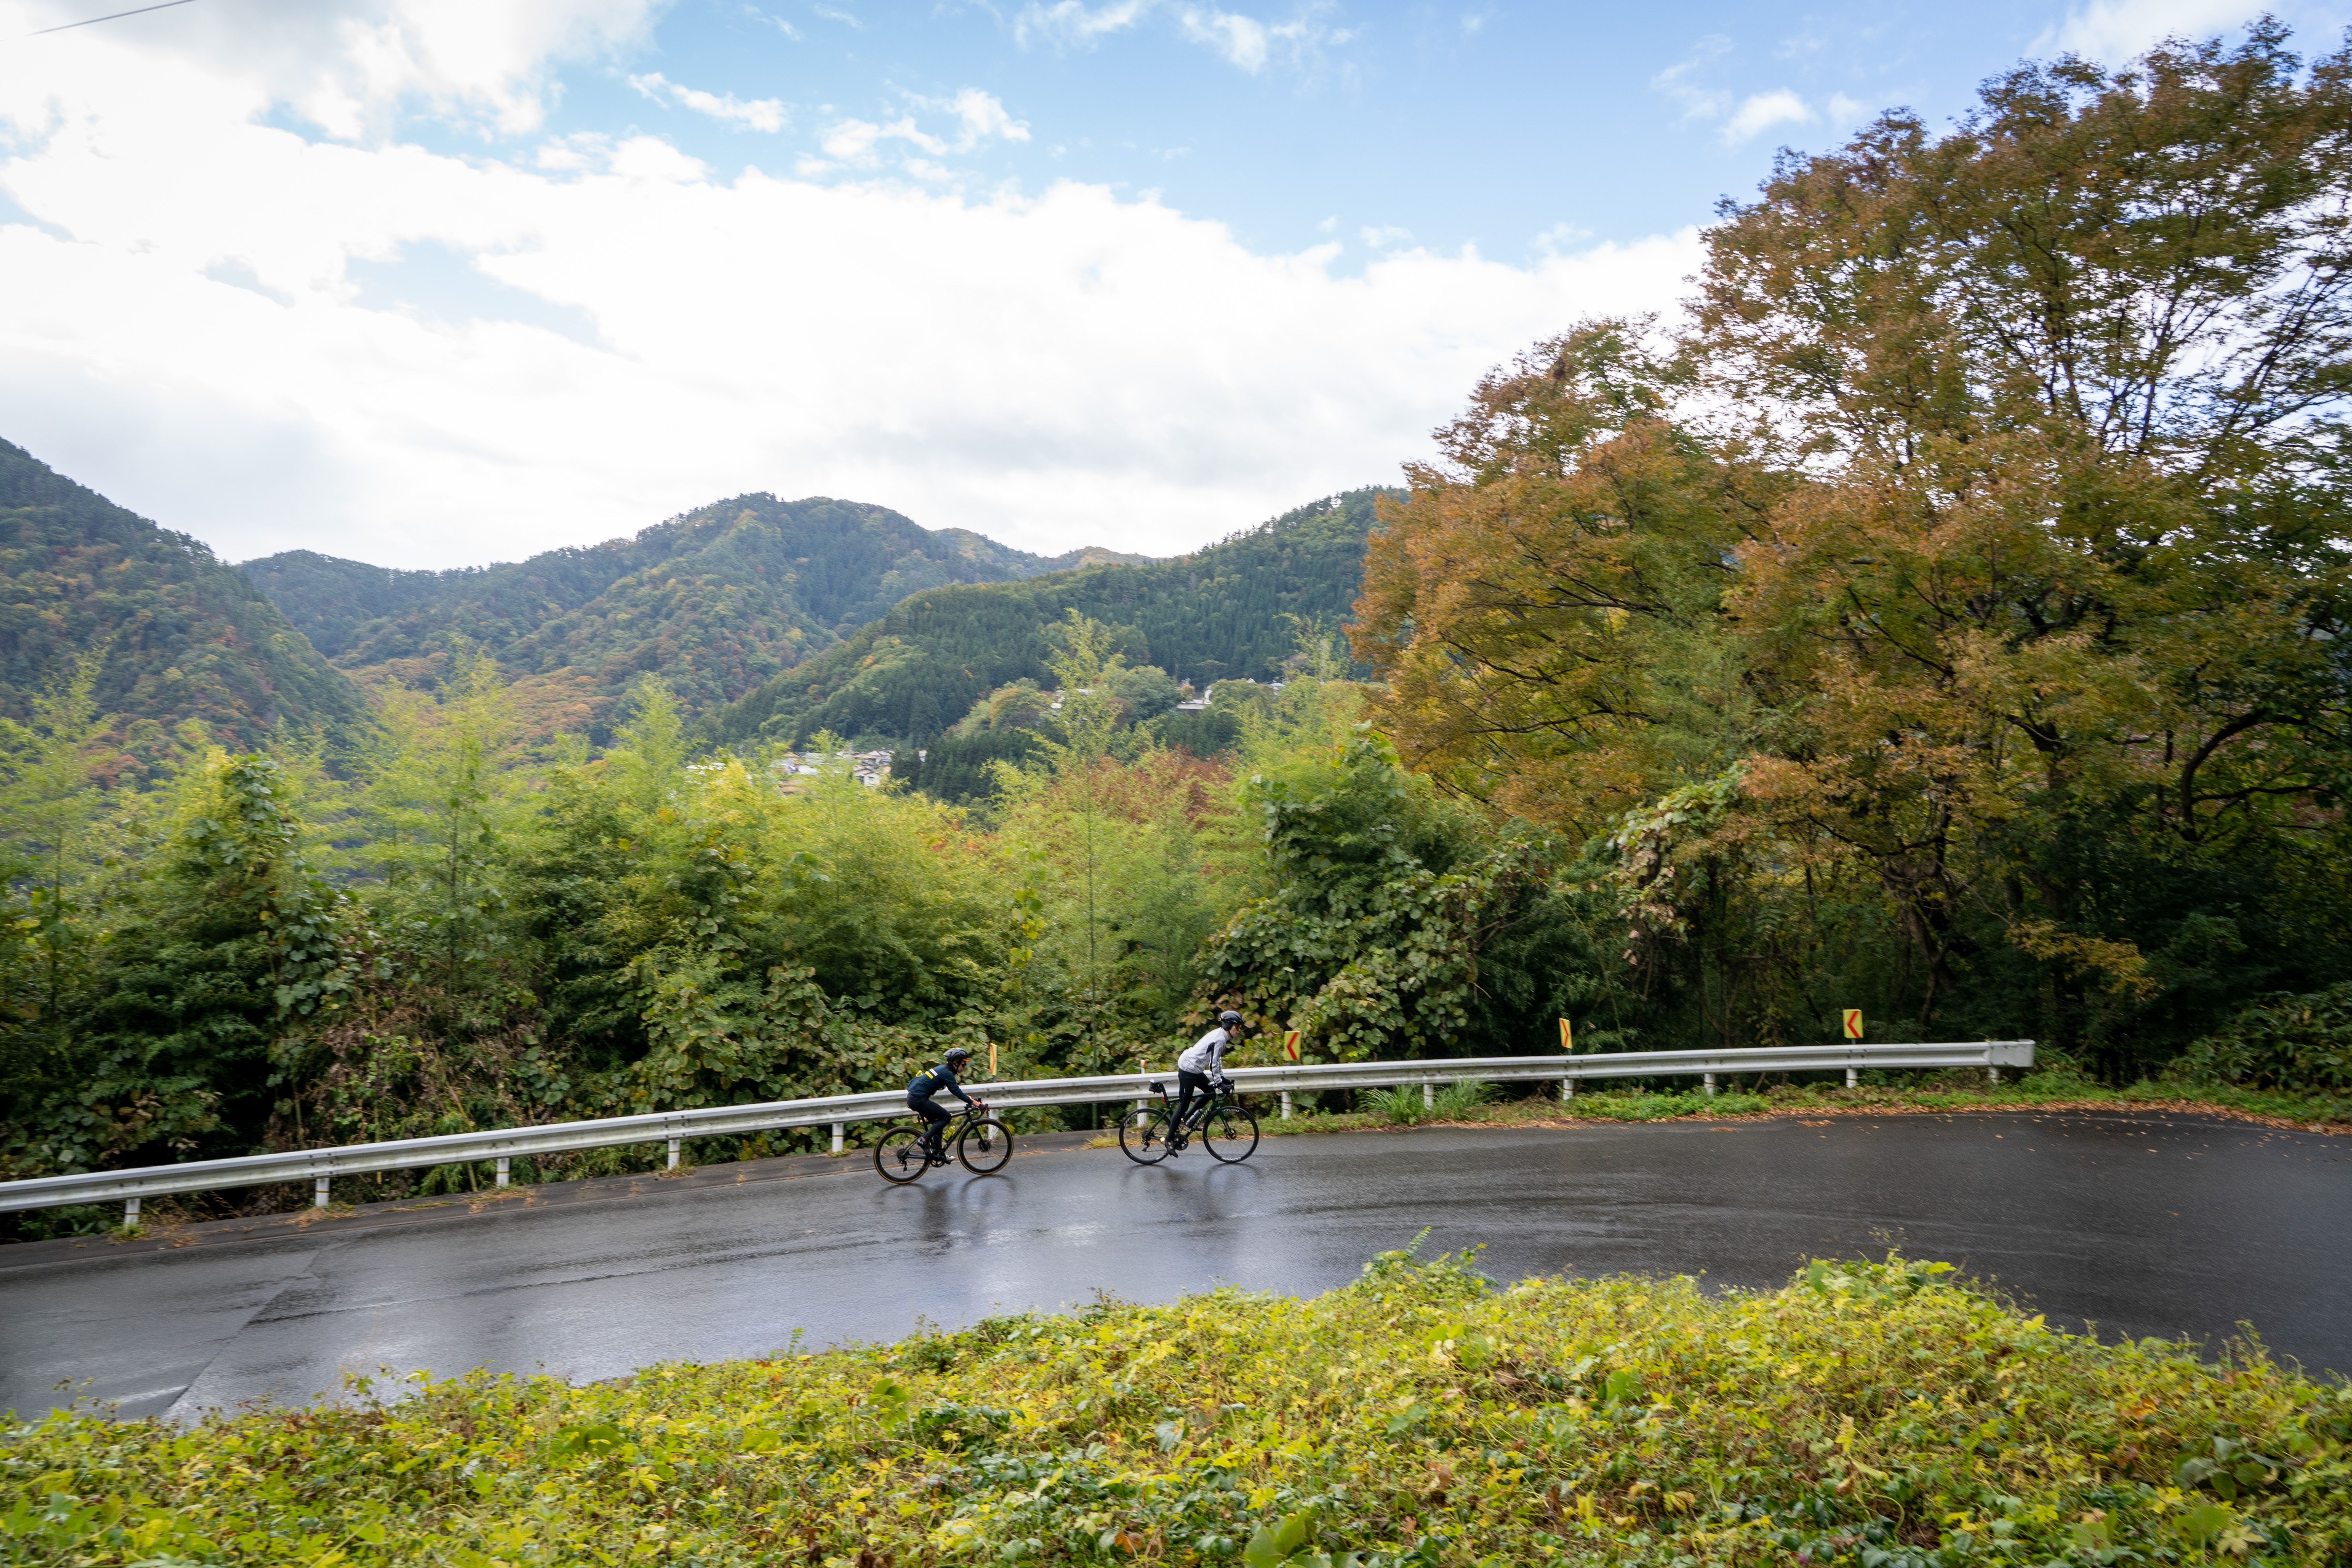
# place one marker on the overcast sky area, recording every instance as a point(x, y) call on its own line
point(438, 282)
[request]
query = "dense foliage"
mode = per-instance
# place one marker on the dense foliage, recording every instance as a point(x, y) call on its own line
point(173, 636)
point(1230, 610)
point(2278, 1042)
point(470, 934)
point(1872, 1416)
point(716, 600)
point(1951, 622)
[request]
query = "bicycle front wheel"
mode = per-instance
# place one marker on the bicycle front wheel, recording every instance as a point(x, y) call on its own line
point(1231, 1133)
point(985, 1146)
point(1143, 1136)
point(899, 1156)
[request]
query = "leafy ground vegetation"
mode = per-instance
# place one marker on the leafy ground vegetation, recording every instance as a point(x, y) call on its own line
point(1876, 1415)
point(1405, 1108)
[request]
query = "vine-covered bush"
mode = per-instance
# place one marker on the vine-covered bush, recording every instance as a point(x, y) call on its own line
point(1878, 1416)
point(2280, 1042)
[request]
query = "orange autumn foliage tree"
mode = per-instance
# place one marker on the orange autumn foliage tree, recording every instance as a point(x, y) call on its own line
point(1977, 555)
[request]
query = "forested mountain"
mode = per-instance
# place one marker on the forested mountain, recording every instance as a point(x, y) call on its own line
point(178, 634)
point(1217, 614)
point(715, 601)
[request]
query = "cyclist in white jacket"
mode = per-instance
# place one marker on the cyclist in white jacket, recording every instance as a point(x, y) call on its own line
point(1203, 1064)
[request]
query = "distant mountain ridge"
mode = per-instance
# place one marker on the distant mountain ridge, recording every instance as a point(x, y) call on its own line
point(716, 600)
point(1222, 610)
point(178, 632)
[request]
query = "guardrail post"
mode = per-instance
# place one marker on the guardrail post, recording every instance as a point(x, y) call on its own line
point(502, 1168)
point(673, 1153)
point(319, 1194)
point(131, 1213)
point(1709, 1080)
point(840, 1135)
point(1993, 1073)
point(1853, 1079)
point(1285, 1105)
point(1428, 1094)
point(1567, 1086)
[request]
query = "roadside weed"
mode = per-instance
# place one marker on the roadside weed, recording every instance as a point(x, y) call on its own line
point(1877, 1414)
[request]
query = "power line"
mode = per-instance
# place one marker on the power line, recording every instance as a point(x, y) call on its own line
point(86, 21)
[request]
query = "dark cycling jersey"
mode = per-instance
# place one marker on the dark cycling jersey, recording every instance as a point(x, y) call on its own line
point(942, 1076)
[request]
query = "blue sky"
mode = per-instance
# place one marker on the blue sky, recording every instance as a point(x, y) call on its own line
point(431, 281)
point(1508, 127)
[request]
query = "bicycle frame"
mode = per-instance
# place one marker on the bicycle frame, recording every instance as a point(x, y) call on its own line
point(957, 1125)
point(1221, 1094)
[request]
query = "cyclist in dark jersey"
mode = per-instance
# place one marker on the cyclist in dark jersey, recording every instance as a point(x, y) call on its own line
point(928, 1083)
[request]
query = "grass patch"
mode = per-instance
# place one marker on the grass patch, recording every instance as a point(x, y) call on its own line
point(2318, 1110)
point(1876, 1415)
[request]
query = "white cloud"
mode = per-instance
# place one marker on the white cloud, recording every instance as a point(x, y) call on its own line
point(1071, 23)
point(786, 28)
point(1245, 42)
point(979, 117)
point(1241, 39)
point(758, 114)
point(1385, 237)
point(983, 117)
point(1064, 368)
point(833, 15)
point(1760, 111)
point(1680, 80)
point(349, 66)
point(2114, 31)
point(1558, 239)
point(1744, 119)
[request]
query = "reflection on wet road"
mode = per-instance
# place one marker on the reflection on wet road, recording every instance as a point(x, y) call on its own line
point(2145, 1224)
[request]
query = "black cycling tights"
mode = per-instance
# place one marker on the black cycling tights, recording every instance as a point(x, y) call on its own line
point(1187, 1083)
point(934, 1115)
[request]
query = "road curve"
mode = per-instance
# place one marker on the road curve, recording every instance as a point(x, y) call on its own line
point(2146, 1225)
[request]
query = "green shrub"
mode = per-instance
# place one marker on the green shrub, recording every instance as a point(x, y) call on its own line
point(1868, 1415)
point(1401, 1105)
point(1462, 1096)
point(1662, 1106)
point(2281, 1042)
point(1404, 1106)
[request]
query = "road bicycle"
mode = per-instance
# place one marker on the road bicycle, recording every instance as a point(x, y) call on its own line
point(1226, 1128)
point(982, 1142)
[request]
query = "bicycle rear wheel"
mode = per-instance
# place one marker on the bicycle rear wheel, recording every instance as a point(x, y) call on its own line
point(1231, 1132)
point(985, 1146)
point(1143, 1136)
point(899, 1157)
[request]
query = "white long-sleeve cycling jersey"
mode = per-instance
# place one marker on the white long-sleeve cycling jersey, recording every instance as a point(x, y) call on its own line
point(1205, 1054)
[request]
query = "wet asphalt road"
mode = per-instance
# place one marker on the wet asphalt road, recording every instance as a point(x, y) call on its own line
point(2145, 1224)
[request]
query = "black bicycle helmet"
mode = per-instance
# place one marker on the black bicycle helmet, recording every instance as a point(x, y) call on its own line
point(1229, 1020)
point(958, 1056)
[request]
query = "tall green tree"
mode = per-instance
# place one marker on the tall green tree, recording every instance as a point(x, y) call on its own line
point(1977, 556)
point(444, 793)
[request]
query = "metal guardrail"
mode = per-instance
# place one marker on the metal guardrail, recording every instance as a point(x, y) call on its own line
point(320, 1166)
